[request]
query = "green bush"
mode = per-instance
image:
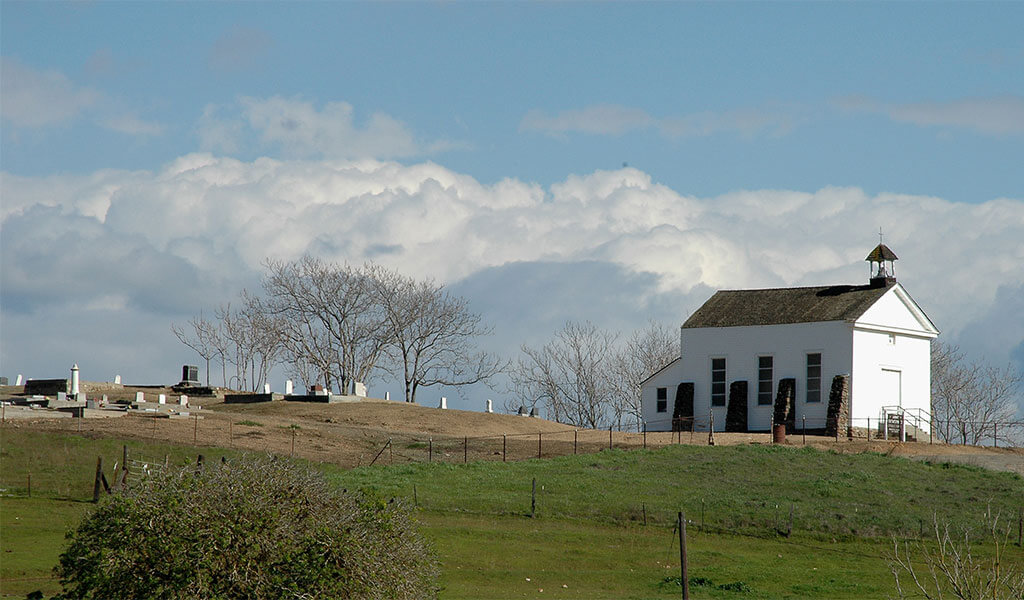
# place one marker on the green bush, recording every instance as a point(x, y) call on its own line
point(249, 528)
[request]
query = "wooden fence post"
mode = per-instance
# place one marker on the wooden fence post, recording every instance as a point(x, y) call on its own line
point(804, 428)
point(575, 437)
point(645, 436)
point(539, 435)
point(684, 579)
point(465, 449)
point(533, 499)
point(430, 449)
point(609, 437)
point(504, 447)
point(96, 484)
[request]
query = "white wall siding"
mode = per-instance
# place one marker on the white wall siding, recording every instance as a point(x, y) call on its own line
point(669, 378)
point(741, 347)
point(875, 351)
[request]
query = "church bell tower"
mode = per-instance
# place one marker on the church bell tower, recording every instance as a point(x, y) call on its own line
point(880, 275)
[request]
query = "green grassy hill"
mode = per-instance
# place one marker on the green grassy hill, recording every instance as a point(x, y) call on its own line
point(587, 538)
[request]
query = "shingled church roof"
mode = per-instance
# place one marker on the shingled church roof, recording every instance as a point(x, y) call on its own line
point(736, 308)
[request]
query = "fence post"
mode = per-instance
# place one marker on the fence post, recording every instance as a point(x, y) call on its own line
point(465, 449)
point(643, 508)
point(123, 479)
point(803, 428)
point(995, 434)
point(1020, 526)
point(575, 436)
point(645, 436)
point(609, 437)
point(539, 442)
point(96, 484)
point(683, 577)
point(504, 446)
point(430, 449)
point(869, 429)
point(533, 499)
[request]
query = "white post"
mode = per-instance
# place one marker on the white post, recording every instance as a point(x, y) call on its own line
point(74, 381)
point(387, 396)
point(288, 387)
point(490, 406)
point(444, 402)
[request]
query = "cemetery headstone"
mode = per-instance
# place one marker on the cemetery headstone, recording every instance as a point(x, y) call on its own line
point(161, 399)
point(360, 389)
point(117, 379)
point(61, 396)
point(140, 396)
point(183, 400)
point(444, 403)
point(490, 406)
point(266, 388)
point(19, 380)
point(288, 387)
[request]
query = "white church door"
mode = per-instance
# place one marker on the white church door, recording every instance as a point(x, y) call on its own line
point(892, 392)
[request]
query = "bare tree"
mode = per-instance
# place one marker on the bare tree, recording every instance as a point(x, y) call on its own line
point(432, 334)
point(645, 352)
point(950, 568)
point(570, 375)
point(202, 336)
point(970, 400)
point(330, 319)
point(253, 338)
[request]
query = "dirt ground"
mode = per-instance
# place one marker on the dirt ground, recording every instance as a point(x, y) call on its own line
point(353, 434)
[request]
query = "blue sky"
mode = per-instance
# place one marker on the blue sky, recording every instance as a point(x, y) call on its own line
point(906, 116)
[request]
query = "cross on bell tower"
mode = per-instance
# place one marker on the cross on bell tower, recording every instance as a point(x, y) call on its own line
point(880, 276)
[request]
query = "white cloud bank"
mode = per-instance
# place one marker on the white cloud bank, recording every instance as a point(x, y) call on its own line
point(126, 253)
point(298, 129)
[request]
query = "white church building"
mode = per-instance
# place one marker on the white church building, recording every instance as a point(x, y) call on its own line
point(751, 358)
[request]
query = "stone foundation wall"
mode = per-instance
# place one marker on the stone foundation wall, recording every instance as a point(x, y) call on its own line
point(838, 417)
point(785, 404)
point(682, 414)
point(736, 414)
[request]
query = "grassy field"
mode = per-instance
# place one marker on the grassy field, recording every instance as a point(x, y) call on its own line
point(742, 489)
point(587, 539)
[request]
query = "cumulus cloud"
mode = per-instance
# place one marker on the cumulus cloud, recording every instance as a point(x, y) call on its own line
point(997, 115)
point(613, 246)
point(34, 98)
point(301, 130)
point(610, 119)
